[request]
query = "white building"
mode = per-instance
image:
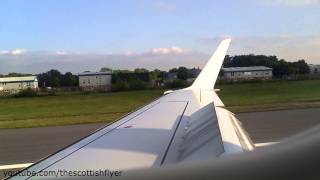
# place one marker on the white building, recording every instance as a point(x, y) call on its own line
point(95, 80)
point(14, 84)
point(252, 72)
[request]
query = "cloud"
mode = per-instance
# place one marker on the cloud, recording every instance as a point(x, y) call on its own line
point(290, 2)
point(160, 51)
point(61, 52)
point(13, 52)
point(4, 52)
point(18, 51)
point(171, 50)
point(160, 58)
point(290, 48)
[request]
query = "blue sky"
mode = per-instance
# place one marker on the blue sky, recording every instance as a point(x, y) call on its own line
point(47, 33)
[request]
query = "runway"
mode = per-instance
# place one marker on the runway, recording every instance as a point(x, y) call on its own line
point(272, 126)
point(28, 145)
point(19, 146)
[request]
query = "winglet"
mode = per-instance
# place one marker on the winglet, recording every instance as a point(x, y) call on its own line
point(209, 74)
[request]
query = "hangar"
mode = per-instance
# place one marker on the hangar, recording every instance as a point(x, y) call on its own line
point(252, 72)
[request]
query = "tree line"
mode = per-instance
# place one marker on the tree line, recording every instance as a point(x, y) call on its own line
point(141, 78)
point(280, 67)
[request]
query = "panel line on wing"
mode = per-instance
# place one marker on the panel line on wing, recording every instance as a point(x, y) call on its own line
point(174, 134)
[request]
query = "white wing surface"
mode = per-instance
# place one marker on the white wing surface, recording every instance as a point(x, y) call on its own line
point(186, 125)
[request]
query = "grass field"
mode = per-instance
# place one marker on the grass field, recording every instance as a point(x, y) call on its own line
point(271, 95)
point(71, 108)
point(79, 108)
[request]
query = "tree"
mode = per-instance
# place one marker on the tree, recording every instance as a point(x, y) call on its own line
point(156, 74)
point(302, 67)
point(121, 71)
point(55, 82)
point(280, 67)
point(141, 70)
point(173, 70)
point(54, 78)
point(50, 78)
point(182, 73)
point(105, 69)
point(68, 79)
point(13, 74)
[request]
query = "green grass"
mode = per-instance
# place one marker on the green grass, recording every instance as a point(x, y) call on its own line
point(79, 108)
point(71, 108)
point(271, 95)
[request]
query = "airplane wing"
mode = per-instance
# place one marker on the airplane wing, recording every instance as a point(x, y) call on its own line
point(186, 125)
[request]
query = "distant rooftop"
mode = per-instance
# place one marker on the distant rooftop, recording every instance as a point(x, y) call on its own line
point(314, 65)
point(94, 73)
point(251, 68)
point(18, 79)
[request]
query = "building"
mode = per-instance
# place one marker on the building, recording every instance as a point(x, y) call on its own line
point(15, 84)
point(194, 72)
point(246, 73)
point(95, 80)
point(190, 73)
point(170, 76)
point(314, 68)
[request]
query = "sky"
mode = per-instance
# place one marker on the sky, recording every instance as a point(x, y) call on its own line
point(79, 35)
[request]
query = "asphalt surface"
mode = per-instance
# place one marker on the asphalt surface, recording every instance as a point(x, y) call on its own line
point(29, 145)
point(272, 126)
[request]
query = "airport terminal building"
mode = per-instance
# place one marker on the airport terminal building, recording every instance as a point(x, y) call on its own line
point(246, 73)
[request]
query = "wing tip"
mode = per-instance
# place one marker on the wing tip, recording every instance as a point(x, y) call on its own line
point(227, 40)
point(209, 74)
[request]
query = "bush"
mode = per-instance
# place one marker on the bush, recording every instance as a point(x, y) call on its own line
point(177, 83)
point(52, 93)
point(27, 93)
point(87, 92)
point(131, 85)
point(120, 86)
point(137, 85)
